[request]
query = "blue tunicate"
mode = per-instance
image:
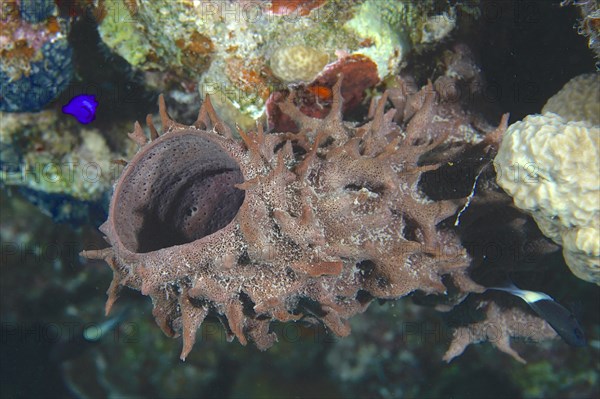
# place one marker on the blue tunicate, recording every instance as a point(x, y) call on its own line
point(82, 107)
point(35, 11)
point(66, 209)
point(46, 80)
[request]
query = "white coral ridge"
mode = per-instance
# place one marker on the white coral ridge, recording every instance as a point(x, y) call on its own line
point(578, 100)
point(550, 165)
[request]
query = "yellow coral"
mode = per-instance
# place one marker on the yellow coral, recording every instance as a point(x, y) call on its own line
point(551, 168)
point(298, 63)
point(578, 100)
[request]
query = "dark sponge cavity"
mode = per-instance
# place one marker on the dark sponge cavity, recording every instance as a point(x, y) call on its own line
point(180, 189)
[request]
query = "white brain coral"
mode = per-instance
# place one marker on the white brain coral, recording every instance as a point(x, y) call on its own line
point(551, 168)
point(578, 100)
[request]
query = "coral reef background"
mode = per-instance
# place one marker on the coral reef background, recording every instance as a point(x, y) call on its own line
point(48, 293)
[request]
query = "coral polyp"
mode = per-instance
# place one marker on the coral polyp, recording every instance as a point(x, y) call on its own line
point(279, 227)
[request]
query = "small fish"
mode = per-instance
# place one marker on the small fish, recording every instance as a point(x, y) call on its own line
point(82, 107)
point(560, 319)
point(84, 338)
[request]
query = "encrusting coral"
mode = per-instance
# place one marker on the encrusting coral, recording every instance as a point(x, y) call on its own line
point(310, 225)
point(298, 63)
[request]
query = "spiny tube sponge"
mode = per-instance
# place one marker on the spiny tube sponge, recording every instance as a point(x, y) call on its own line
point(310, 225)
point(497, 327)
point(550, 165)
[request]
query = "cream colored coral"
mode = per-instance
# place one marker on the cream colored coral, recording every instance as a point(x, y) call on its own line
point(578, 100)
point(298, 63)
point(551, 168)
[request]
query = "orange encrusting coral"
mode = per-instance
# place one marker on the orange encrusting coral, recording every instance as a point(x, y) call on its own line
point(196, 51)
point(21, 49)
point(251, 230)
point(251, 76)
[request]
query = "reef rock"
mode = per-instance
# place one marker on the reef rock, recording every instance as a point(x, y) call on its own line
point(241, 52)
point(279, 227)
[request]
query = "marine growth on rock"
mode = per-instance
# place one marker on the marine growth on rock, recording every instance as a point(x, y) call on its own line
point(36, 64)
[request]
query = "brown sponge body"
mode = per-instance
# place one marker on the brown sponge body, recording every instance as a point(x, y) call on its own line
point(284, 226)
